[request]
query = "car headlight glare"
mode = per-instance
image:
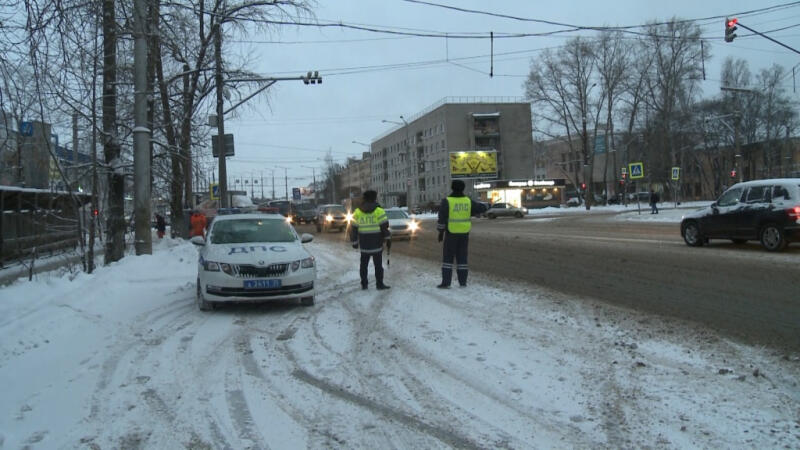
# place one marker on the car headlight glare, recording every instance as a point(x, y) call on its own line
point(413, 226)
point(211, 266)
point(329, 218)
point(307, 263)
point(349, 217)
point(289, 219)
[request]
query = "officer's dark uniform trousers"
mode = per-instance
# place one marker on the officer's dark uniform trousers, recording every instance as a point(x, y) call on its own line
point(455, 247)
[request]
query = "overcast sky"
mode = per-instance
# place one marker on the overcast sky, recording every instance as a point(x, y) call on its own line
point(368, 76)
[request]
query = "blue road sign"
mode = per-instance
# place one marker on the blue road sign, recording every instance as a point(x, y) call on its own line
point(215, 191)
point(636, 170)
point(676, 173)
point(26, 128)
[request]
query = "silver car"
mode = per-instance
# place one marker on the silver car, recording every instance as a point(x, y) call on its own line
point(507, 210)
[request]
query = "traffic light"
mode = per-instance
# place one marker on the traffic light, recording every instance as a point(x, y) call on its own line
point(733, 173)
point(730, 28)
point(95, 212)
point(583, 186)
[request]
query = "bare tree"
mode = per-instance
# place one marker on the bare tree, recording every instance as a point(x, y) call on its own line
point(560, 87)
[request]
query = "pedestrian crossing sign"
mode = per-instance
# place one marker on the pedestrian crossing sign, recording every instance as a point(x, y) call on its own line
point(636, 170)
point(676, 173)
point(214, 191)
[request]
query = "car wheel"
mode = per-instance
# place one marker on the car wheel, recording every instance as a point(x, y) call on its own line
point(307, 301)
point(772, 237)
point(692, 236)
point(739, 241)
point(518, 215)
point(202, 303)
point(492, 216)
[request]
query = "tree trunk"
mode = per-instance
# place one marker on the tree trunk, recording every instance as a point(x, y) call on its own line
point(177, 223)
point(186, 137)
point(115, 222)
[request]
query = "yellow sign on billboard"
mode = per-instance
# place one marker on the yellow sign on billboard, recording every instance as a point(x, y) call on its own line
point(473, 164)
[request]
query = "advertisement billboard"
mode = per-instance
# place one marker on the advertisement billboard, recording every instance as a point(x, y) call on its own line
point(473, 164)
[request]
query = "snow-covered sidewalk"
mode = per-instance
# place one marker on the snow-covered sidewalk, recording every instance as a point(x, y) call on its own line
point(122, 358)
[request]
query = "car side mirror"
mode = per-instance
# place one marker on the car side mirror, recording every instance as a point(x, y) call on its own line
point(198, 240)
point(306, 237)
point(714, 205)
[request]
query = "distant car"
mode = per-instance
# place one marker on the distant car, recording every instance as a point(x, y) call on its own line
point(573, 201)
point(253, 257)
point(332, 217)
point(764, 210)
point(505, 210)
point(400, 225)
point(284, 207)
point(642, 196)
point(304, 213)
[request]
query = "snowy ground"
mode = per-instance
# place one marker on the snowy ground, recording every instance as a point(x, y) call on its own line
point(122, 358)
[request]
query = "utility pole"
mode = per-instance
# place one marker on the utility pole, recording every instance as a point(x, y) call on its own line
point(143, 239)
point(286, 181)
point(314, 182)
point(262, 185)
point(223, 172)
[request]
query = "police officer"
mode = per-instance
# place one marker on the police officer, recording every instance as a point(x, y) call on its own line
point(369, 229)
point(454, 225)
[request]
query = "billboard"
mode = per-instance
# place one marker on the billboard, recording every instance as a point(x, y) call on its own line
point(473, 164)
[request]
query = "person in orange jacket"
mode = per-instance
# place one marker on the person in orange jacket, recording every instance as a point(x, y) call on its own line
point(198, 225)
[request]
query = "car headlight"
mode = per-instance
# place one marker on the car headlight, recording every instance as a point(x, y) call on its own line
point(307, 263)
point(295, 265)
point(289, 219)
point(210, 266)
point(329, 218)
point(413, 226)
point(348, 217)
point(227, 268)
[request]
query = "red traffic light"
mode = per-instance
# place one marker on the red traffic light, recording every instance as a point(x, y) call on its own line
point(583, 186)
point(733, 173)
point(95, 212)
point(730, 27)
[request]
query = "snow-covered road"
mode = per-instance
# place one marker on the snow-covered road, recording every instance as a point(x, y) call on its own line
point(122, 358)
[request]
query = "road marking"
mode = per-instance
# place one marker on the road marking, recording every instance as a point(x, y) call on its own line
point(603, 239)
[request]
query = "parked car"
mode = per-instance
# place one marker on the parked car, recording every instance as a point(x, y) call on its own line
point(400, 225)
point(764, 210)
point(505, 210)
point(304, 213)
point(253, 257)
point(642, 196)
point(332, 217)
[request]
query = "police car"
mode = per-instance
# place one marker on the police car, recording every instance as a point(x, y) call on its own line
point(253, 257)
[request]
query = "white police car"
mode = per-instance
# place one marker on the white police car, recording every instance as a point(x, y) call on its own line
point(253, 257)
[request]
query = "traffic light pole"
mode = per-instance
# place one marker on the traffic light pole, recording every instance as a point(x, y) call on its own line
point(767, 37)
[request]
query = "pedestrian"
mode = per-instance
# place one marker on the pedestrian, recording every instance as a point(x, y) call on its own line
point(370, 228)
point(453, 226)
point(161, 225)
point(198, 223)
point(654, 199)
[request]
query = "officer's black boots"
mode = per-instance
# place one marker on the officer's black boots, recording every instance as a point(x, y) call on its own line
point(382, 286)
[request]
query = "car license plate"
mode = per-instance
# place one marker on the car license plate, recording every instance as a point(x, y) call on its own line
point(262, 284)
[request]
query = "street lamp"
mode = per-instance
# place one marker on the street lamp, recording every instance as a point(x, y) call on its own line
point(409, 171)
point(361, 143)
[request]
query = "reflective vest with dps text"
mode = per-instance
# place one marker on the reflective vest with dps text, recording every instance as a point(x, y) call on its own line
point(458, 218)
point(369, 223)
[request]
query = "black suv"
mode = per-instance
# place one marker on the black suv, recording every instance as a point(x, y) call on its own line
point(304, 213)
point(764, 210)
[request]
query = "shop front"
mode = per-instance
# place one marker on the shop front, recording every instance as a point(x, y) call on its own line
point(530, 194)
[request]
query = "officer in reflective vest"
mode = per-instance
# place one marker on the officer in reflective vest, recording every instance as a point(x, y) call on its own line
point(370, 228)
point(454, 225)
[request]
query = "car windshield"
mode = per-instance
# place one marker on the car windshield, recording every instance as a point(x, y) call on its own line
point(334, 210)
point(396, 214)
point(251, 230)
point(731, 197)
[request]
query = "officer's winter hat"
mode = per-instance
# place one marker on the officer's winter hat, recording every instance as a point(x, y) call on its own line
point(370, 196)
point(457, 186)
